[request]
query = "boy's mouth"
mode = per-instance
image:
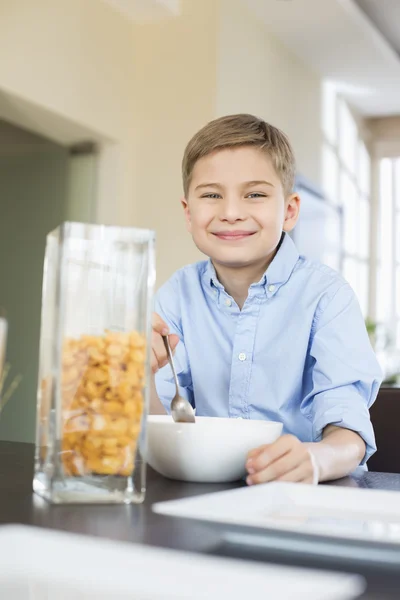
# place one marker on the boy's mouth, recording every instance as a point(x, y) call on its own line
point(233, 235)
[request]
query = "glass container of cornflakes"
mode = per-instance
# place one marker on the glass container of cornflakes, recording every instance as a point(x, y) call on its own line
point(94, 368)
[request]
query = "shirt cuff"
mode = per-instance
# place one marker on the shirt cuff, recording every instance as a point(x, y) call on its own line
point(340, 416)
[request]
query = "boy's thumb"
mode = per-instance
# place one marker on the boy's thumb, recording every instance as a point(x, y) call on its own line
point(173, 340)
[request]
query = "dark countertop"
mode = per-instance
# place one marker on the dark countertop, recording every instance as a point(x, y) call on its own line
point(139, 524)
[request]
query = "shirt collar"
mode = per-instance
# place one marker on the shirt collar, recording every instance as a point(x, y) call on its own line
point(283, 263)
point(277, 274)
point(211, 276)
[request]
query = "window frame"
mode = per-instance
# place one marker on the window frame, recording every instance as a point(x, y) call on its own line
point(333, 143)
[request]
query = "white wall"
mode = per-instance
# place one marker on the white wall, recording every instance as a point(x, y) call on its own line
point(256, 73)
point(73, 60)
point(144, 90)
point(175, 65)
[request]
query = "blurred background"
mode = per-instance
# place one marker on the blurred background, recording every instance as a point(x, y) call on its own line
point(98, 99)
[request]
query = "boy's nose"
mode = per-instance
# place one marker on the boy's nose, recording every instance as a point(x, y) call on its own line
point(232, 210)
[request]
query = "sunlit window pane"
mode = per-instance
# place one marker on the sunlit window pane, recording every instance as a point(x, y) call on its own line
point(333, 240)
point(329, 120)
point(398, 291)
point(398, 238)
point(332, 259)
point(330, 173)
point(357, 274)
point(381, 299)
point(348, 197)
point(384, 296)
point(364, 168)
point(363, 250)
point(385, 188)
point(397, 167)
point(332, 231)
point(348, 138)
point(386, 283)
point(350, 273)
point(362, 292)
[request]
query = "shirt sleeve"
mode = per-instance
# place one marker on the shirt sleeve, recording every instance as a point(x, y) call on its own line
point(167, 305)
point(346, 375)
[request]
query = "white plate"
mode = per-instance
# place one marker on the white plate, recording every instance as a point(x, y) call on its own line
point(39, 564)
point(325, 520)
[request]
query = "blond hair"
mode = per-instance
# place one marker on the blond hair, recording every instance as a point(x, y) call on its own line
point(234, 131)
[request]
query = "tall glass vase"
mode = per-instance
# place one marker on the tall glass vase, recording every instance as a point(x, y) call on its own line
point(94, 367)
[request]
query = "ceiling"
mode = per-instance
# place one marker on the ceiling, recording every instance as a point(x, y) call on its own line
point(341, 43)
point(354, 43)
point(385, 14)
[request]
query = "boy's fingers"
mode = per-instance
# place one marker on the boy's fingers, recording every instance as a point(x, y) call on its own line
point(159, 325)
point(275, 470)
point(272, 452)
point(303, 473)
point(159, 350)
point(154, 362)
point(257, 451)
point(159, 356)
point(173, 340)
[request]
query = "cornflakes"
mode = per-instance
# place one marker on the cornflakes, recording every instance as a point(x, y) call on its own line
point(102, 402)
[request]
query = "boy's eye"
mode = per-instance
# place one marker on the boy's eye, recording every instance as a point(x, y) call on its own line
point(215, 195)
point(211, 195)
point(256, 195)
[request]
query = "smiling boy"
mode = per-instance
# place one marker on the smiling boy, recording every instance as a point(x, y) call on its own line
point(261, 332)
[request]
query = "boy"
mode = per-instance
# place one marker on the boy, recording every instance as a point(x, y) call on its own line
point(261, 332)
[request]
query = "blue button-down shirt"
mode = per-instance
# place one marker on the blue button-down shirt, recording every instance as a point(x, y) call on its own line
point(298, 351)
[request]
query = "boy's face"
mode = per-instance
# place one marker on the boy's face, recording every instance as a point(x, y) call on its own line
point(236, 208)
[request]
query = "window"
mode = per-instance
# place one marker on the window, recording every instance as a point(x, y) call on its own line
point(388, 255)
point(346, 172)
point(348, 138)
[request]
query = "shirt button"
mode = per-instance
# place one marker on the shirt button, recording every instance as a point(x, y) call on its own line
point(228, 302)
point(242, 356)
point(271, 288)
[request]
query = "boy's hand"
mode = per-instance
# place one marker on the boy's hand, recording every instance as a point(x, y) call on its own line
point(287, 459)
point(159, 357)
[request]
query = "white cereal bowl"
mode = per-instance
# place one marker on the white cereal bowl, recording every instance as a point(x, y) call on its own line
point(212, 450)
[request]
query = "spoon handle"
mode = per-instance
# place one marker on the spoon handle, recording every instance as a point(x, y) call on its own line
point(171, 361)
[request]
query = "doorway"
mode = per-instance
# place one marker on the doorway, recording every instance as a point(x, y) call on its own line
point(42, 183)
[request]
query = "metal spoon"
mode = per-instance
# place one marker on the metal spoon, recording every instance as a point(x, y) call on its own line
point(181, 410)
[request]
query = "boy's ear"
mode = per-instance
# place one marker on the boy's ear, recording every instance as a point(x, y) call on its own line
point(186, 210)
point(292, 210)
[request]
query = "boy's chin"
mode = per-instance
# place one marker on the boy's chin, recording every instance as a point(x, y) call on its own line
point(237, 262)
point(231, 259)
